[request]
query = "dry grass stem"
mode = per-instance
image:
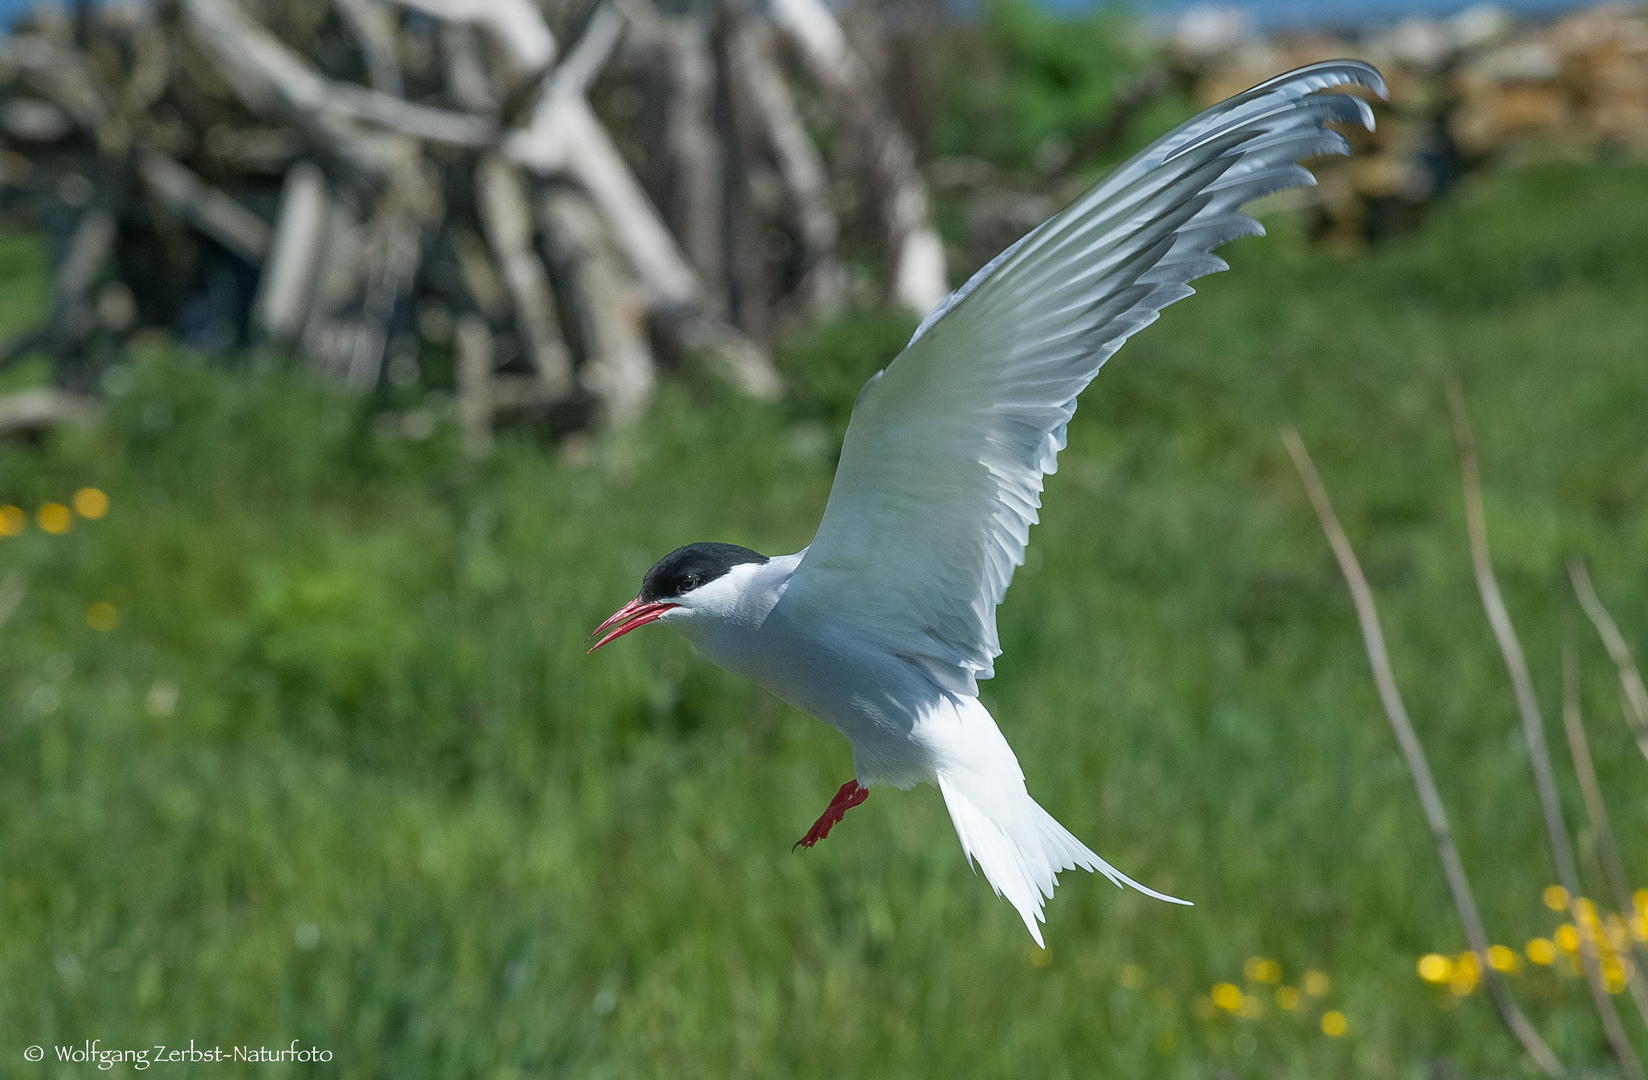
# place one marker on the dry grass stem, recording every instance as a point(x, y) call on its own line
point(1632, 693)
point(12, 590)
point(1533, 730)
point(1613, 867)
point(1436, 816)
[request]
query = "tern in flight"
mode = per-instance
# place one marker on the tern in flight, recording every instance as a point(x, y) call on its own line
point(883, 626)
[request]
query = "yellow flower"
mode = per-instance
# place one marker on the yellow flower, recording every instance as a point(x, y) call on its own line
point(1588, 914)
point(1639, 927)
point(1466, 972)
point(1567, 938)
point(12, 520)
point(1541, 951)
point(1614, 932)
point(1613, 974)
point(1641, 898)
point(1227, 996)
point(1503, 959)
point(1314, 983)
point(1133, 976)
point(1258, 969)
point(1253, 1007)
point(91, 503)
point(102, 616)
point(1556, 898)
point(1039, 957)
point(1435, 968)
point(1333, 1023)
point(54, 518)
point(1287, 998)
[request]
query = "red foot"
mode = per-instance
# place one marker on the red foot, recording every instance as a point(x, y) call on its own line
point(848, 797)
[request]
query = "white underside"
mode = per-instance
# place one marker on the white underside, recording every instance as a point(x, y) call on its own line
point(904, 727)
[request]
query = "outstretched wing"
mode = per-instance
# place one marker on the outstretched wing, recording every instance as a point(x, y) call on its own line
point(941, 472)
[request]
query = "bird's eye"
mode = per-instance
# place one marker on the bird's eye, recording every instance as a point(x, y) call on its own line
point(689, 582)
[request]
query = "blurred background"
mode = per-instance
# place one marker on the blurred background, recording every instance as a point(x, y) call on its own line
point(358, 356)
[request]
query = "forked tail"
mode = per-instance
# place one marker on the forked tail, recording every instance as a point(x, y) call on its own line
point(1017, 844)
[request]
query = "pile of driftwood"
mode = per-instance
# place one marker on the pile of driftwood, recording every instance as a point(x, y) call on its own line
point(1465, 91)
point(420, 192)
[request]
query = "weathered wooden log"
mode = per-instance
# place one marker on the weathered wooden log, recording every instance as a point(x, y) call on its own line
point(30, 412)
point(205, 207)
point(55, 70)
point(269, 75)
point(680, 47)
point(88, 250)
point(517, 26)
point(507, 219)
point(617, 364)
point(919, 277)
point(30, 120)
point(473, 352)
point(390, 257)
point(374, 33)
point(212, 112)
point(480, 279)
point(286, 288)
point(806, 179)
point(564, 137)
point(466, 78)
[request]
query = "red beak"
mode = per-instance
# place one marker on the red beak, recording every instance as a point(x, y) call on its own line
point(627, 618)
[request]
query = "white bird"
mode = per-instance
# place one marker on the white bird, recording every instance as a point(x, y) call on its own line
point(883, 626)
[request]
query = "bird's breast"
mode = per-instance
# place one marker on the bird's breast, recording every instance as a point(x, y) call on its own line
point(872, 697)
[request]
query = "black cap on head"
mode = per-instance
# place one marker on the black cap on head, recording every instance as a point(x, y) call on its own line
point(687, 568)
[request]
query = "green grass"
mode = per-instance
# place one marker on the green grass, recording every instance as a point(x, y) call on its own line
point(395, 812)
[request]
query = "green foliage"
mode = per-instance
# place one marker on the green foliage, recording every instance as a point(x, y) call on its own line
point(342, 772)
point(1025, 77)
point(826, 365)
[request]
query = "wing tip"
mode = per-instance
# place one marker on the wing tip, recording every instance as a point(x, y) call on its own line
point(1326, 73)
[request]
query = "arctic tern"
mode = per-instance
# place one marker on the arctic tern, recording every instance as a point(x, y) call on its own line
point(884, 624)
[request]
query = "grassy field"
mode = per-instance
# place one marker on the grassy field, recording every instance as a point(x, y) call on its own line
point(341, 772)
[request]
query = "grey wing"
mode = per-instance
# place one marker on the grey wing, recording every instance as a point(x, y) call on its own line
point(941, 472)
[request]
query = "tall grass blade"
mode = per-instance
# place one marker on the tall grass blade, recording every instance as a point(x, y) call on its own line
point(12, 590)
point(1632, 692)
point(1533, 730)
point(1367, 616)
point(1613, 867)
